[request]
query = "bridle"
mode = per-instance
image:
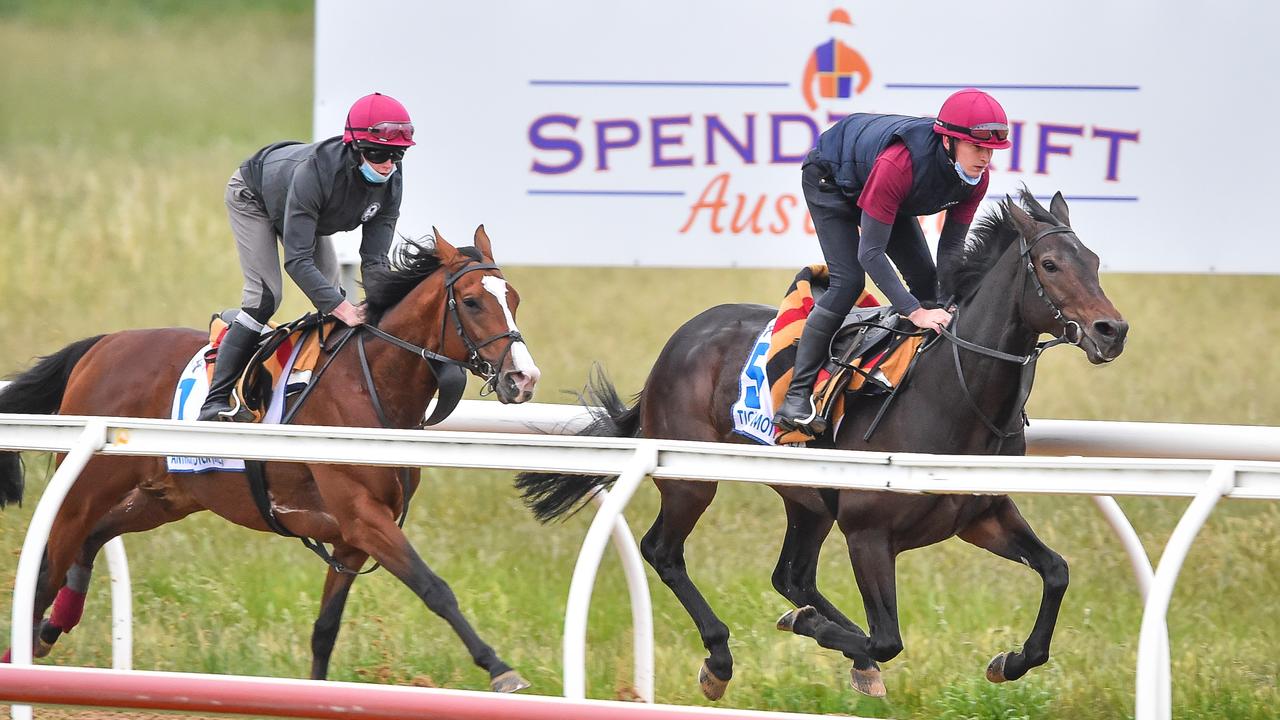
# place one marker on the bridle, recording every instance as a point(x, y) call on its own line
point(1044, 295)
point(451, 374)
point(1028, 362)
point(476, 364)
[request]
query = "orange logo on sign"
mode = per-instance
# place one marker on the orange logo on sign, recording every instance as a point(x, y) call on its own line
point(833, 65)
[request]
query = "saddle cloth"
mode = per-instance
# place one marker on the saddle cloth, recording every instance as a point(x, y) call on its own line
point(283, 363)
point(871, 360)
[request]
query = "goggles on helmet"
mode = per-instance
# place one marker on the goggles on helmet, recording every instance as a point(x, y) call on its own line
point(387, 131)
point(983, 132)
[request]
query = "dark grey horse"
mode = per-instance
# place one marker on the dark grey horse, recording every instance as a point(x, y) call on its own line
point(1024, 273)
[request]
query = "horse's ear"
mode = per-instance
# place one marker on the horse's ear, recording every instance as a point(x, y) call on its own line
point(482, 243)
point(444, 251)
point(1058, 206)
point(1026, 225)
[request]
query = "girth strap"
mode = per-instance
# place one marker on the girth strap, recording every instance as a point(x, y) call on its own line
point(255, 470)
point(256, 473)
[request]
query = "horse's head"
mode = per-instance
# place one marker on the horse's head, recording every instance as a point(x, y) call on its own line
point(480, 307)
point(1062, 294)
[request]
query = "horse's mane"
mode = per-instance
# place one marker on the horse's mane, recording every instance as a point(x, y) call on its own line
point(410, 263)
point(990, 236)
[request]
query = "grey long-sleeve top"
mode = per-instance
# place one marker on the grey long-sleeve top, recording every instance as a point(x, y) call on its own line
point(316, 189)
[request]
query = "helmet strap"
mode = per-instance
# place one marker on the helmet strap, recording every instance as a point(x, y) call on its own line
point(949, 143)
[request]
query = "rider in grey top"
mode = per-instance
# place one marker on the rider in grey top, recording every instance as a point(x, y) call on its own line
point(296, 195)
point(312, 191)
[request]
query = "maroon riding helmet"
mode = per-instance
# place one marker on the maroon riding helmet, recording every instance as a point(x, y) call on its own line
point(379, 119)
point(975, 117)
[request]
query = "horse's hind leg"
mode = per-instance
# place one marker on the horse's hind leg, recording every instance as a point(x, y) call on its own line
point(137, 512)
point(1003, 531)
point(101, 483)
point(683, 502)
point(332, 602)
point(69, 579)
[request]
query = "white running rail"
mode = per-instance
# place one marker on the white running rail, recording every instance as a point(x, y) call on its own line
point(635, 459)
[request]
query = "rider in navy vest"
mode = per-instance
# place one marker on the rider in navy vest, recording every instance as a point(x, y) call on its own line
point(866, 183)
point(294, 196)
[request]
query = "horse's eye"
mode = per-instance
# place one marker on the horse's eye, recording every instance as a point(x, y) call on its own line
point(471, 303)
point(1049, 265)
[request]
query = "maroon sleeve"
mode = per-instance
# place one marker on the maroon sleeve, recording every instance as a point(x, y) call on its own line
point(888, 184)
point(964, 212)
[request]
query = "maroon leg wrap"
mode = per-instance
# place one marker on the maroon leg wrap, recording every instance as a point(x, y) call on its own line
point(67, 609)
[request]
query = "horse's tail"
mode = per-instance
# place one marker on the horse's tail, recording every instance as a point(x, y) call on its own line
point(551, 495)
point(37, 391)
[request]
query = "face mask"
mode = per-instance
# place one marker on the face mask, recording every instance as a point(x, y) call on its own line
point(966, 178)
point(374, 176)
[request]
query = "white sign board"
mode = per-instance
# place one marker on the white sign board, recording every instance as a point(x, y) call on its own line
point(671, 132)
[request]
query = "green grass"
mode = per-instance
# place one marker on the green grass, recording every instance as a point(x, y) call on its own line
point(114, 219)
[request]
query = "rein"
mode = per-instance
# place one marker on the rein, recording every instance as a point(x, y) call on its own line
point(1028, 362)
point(476, 364)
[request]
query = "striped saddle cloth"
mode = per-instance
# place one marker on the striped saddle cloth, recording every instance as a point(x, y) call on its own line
point(867, 358)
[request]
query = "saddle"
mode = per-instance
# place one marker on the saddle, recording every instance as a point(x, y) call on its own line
point(300, 340)
point(869, 354)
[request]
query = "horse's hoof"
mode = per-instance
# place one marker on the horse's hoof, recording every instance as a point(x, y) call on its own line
point(40, 645)
point(995, 668)
point(40, 648)
point(787, 623)
point(508, 682)
point(867, 682)
point(712, 687)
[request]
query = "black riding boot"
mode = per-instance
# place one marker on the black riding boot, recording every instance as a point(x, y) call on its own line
point(233, 354)
point(797, 411)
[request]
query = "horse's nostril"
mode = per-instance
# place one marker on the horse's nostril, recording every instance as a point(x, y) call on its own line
point(1112, 330)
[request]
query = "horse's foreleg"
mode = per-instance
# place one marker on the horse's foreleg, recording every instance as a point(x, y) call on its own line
point(807, 620)
point(683, 502)
point(332, 602)
point(796, 575)
point(1003, 531)
point(370, 526)
point(875, 570)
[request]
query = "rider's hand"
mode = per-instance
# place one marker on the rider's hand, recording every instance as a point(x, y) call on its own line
point(349, 314)
point(929, 319)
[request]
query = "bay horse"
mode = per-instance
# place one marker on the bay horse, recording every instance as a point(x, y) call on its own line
point(450, 302)
point(1024, 272)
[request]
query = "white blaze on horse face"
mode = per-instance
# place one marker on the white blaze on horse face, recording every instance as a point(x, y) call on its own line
point(520, 354)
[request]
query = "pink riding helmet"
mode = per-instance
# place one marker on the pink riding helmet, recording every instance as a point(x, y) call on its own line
point(380, 119)
point(976, 117)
